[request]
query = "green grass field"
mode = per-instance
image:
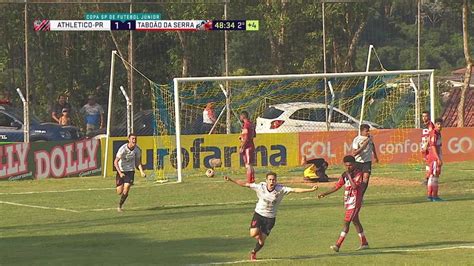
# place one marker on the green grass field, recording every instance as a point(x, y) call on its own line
point(74, 221)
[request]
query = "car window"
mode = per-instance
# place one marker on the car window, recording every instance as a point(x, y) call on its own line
point(5, 120)
point(318, 115)
point(309, 114)
point(271, 113)
point(337, 117)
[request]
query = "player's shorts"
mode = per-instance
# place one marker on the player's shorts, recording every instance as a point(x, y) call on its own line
point(128, 178)
point(352, 214)
point(263, 223)
point(365, 167)
point(433, 168)
point(249, 155)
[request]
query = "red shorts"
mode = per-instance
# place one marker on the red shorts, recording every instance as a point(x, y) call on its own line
point(433, 169)
point(352, 214)
point(248, 155)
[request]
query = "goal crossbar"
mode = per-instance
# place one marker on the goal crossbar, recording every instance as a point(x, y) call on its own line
point(301, 76)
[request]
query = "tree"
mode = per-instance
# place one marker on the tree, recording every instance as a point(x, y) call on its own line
point(346, 23)
point(466, 11)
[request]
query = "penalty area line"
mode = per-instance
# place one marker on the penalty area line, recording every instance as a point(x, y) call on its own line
point(37, 207)
point(368, 252)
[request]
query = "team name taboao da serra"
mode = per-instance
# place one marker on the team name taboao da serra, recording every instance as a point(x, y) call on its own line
point(198, 155)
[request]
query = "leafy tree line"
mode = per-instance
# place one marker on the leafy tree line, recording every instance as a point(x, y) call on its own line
point(289, 41)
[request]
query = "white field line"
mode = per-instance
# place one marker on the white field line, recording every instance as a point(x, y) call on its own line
point(37, 207)
point(348, 254)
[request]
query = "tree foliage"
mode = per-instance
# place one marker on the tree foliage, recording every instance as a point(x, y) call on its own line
point(289, 41)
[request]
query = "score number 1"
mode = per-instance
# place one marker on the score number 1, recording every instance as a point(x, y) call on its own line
point(122, 25)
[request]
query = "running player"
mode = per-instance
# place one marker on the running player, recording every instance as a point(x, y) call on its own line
point(269, 194)
point(426, 126)
point(247, 147)
point(351, 179)
point(128, 157)
point(434, 159)
point(363, 148)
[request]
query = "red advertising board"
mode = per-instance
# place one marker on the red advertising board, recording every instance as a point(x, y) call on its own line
point(392, 145)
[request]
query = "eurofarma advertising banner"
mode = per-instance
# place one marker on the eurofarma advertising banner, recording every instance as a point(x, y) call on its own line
point(197, 150)
point(40, 160)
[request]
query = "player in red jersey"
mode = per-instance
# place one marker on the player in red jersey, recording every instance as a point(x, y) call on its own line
point(427, 126)
point(247, 147)
point(434, 160)
point(351, 179)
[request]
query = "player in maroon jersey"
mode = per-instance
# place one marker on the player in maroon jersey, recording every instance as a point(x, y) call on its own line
point(351, 179)
point(427, 126)
point(434, 160)
point(247, 147)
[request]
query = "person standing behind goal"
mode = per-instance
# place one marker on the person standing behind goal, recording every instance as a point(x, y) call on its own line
point(363, 148)
point(127, 159)
point(247, 147)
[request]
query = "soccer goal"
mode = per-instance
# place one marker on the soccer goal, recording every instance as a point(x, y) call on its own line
point(285, 104)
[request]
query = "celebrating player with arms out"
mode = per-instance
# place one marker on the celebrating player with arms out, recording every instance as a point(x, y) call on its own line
point(427, 126)
point(434, 160)
point(247, 147)
point(363, 148)
point(128, 157)
point(351, 179)
point(269, 194)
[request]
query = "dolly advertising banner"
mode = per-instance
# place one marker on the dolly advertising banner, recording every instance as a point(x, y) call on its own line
point(40, 160)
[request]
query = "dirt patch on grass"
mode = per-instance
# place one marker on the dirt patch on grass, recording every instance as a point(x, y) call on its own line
point(374, 181)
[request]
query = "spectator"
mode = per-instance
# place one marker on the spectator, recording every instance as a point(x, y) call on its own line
point(58, 107)
point(65, 119)
point(316, 169)
point(5, 98)
point(93, 114)
point(208, 118)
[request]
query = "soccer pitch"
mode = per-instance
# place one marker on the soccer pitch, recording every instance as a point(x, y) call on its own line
point(202, 221)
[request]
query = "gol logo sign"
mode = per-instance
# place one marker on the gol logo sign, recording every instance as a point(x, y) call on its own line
point(460, 145)
point(317, 149)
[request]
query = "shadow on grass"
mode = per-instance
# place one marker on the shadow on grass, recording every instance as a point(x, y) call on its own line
point(166, 213)
point(115, 248)
point(402, 249)
point(113, 218)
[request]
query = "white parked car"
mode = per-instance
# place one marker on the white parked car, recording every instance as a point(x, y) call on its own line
point(304, 117)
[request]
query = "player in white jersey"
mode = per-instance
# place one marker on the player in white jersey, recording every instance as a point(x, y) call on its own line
point(269, 194)
point(128, 157)
point(363, 148)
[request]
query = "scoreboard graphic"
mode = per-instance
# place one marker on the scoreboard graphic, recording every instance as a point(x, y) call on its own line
point(146, 25)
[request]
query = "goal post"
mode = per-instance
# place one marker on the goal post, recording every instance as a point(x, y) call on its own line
point(391, 102)
point(144, 120)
